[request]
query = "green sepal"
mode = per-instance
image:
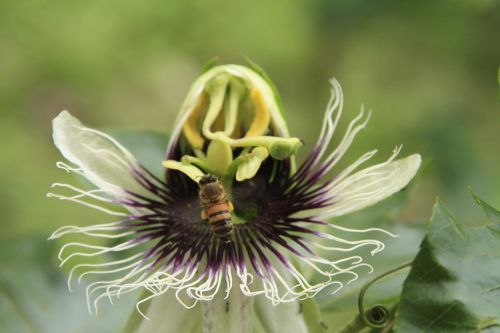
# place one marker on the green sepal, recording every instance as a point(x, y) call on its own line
point(259, 70)
point(210, 64)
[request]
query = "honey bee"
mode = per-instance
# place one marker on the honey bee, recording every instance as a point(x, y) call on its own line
point(216, 208)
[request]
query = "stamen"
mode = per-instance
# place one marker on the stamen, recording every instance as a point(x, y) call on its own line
point(189, 170)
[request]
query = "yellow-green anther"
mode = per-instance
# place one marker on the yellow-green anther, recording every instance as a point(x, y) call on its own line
point(237, 92)
point(278, 147)
point(283, 149)
point(200, 163)
point(216, 89)
point(188, 169)
point(260, 123)
point(251, 163)
point(191, 126)
point(219, 156)
point(260, 152)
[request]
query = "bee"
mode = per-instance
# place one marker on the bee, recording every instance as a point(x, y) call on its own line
point(216, 208)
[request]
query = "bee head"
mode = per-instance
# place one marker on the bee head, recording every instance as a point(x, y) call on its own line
point(208, 179)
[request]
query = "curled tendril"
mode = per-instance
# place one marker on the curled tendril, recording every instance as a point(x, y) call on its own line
point(377, 316)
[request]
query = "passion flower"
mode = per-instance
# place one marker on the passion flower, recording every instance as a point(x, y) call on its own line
point(231, 125)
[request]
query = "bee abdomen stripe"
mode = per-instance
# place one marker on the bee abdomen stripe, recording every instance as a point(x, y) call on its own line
point(225, 223)
point(220, 212)
point(216, 208)
point(218, 217)
point(226, 236)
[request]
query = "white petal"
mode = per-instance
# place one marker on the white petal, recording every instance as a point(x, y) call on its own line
point(167, 315)
point(231, 315)
point(102, 160)
point(283, 317)
point(279, 318)
point(371, 185)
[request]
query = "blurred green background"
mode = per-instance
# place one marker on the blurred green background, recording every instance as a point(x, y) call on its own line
point(427, 69)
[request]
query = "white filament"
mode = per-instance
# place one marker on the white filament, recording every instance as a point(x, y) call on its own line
point(282, 285)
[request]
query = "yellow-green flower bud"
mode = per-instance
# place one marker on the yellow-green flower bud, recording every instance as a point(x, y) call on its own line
point(230, 111)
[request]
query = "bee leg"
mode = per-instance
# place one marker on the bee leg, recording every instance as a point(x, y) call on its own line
point(227, 306)
point(230, 206)
point(204, 214)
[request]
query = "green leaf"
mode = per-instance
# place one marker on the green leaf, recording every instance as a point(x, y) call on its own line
point(148, 147)
point(34, 296)
point(491, 213)
point(454, 283)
